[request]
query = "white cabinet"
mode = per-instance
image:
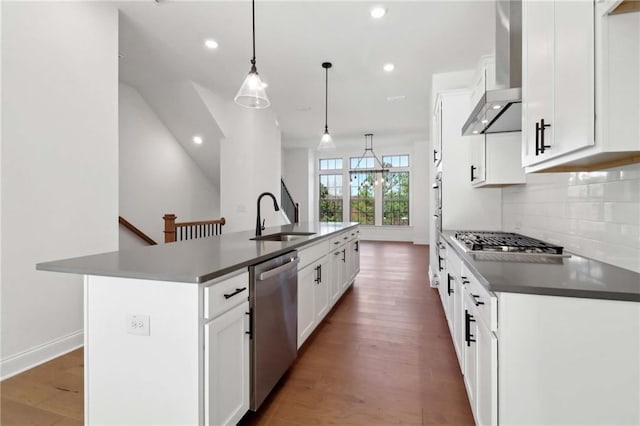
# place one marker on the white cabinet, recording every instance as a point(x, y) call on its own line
point(313, 297)
point(495, 160)
point(486, 376)
point(470, 351)
point(558, 78)
point(306, 304)
point(226, 378)
point(338, 272)
point(321, 289)
point(325, 271)
point(580, 86)
point(437, 126)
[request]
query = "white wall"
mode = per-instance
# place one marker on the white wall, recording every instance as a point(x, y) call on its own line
point(595, 214)
point(296, 164)
point(157, 176)
point(250, 161)
point(59, 167)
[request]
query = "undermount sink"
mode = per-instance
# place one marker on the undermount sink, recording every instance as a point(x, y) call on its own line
point(283, 236)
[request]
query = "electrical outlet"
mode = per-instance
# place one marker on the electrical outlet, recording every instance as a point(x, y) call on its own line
point(138, 324)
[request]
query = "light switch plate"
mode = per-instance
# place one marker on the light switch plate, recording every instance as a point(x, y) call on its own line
point(138, 324)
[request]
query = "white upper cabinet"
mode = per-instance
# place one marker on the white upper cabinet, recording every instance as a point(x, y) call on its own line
point(437, 125)
point(580, 74)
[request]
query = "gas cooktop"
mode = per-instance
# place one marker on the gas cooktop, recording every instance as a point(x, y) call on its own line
point(504, 242)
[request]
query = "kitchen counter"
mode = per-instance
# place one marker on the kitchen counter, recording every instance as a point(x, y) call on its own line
point(573, 276)
point(195, 261)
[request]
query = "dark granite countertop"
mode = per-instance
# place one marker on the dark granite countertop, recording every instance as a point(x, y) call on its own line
point(573, 276)
point(194, 261)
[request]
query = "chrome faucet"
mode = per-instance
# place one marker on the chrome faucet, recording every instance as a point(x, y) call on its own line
point(260, 226)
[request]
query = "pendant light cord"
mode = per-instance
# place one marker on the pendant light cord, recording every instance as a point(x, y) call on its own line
point(326, 98)
point(253, 17)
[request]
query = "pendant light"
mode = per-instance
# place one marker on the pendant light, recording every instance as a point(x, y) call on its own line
point(252, 93)
point(326, 143)
point(379, 171)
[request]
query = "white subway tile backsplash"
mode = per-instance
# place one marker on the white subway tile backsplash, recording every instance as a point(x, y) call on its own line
point(594, 214)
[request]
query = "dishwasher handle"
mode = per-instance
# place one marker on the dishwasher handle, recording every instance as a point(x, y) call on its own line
point(277, 270)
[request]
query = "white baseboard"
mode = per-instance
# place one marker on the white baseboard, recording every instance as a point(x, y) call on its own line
point(30, 358)
point(421, 242)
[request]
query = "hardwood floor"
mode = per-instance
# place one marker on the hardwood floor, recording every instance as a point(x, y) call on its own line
point(383, 356)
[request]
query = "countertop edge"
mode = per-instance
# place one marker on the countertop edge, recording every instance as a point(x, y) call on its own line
point(55, 266)
point(534, 290)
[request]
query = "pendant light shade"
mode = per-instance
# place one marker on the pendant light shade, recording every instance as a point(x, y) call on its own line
point(252, 93)
point(326, 143)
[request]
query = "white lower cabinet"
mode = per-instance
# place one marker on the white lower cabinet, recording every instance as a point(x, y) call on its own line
point(306, 303)
point(321, 290)
point(537, 359)
point(486, 376)
point(470, 352)
point(338, 273)
point(325, 271)
point(226, 354)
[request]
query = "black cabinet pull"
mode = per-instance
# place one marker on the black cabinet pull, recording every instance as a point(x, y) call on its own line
point(318, 275)
point(435, 154)
point(238, 290)
point(449, 290)
point(475, 299)
point(468, 319)
point(440, 259)
point(357, 248)
point(543, 127)
point(473, 168)
point(344, 255)
point(250, 332)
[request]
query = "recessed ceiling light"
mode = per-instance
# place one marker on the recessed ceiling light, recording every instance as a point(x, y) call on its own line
point(197, 140)
point(396, 98)
point(496, 106)
point(211, 43)
point(485, 121)
point(389, 67)
point(475, 132)
point(378, 12)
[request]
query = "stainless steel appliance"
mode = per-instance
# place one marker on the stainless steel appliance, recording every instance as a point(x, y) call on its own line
point(273, 296)
point(500, 110)
point(503, 242)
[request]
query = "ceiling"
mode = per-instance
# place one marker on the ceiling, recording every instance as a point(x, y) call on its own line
point(294, 38)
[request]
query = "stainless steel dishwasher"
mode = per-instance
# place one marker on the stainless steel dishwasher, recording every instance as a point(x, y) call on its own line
point(273, 296)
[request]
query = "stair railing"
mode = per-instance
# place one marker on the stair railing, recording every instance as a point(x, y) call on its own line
point(174, 231)
point(290, 207)
point(124, 222)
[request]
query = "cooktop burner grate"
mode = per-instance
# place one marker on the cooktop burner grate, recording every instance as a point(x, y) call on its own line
point(504, 242)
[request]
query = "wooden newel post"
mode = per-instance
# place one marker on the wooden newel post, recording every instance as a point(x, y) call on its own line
point(222, 221)
point(169, 228)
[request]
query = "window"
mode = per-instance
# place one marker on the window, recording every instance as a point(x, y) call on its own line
point(331, 164)
point(373, 199)
point(395, 199)
point(331, 190)
point(362, 198)
point(395, 194)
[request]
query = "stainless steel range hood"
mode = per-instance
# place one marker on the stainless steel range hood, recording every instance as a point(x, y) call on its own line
point(500, 110)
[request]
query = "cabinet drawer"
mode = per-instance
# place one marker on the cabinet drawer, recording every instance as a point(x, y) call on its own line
point(225, 293)
point(309, 254)
point(338, 240)
point(486, 302)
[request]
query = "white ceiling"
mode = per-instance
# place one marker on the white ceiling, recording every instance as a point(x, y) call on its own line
point(294, 38)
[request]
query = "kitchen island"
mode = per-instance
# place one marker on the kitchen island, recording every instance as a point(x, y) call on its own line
point(543, 339)
point(168, 328)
